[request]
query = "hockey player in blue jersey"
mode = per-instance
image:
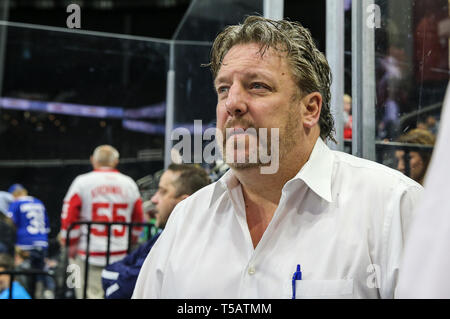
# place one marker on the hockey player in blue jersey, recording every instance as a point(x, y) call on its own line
point(32, 228)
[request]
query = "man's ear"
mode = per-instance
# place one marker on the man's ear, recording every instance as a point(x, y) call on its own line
point(312, 106)
point(181, 197)
point(184, 196)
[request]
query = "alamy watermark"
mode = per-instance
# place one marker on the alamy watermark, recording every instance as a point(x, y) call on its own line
point(74, 19)
point(238, 147)
point(73, 276)
point(373, 20)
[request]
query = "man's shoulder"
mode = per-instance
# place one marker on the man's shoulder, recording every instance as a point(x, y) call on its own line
point(96, 175)
point(27, 199)
point(360, 168)
point(200, 200)
point(126, 177)
point(192, 212)
point(82, 177)
point(203, 193)
point(6, 196)
point(37, 200)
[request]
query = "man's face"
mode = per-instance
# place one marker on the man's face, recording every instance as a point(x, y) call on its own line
point(347, 106)
point(400, 157)
point(416, 164)
point(165, 198)
point(256, 92)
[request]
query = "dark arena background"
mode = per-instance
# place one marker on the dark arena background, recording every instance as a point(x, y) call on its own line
point(120, 68)
point(134, 70)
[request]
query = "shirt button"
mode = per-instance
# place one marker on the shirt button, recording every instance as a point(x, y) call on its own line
point(251, 270)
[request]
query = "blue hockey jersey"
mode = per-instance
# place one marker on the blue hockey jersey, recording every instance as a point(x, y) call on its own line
point(31, 220)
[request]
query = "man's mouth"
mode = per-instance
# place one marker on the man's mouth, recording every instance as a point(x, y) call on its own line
point(232, 131)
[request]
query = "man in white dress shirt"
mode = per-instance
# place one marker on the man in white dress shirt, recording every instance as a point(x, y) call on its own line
point(342, 219)
point(426, 262)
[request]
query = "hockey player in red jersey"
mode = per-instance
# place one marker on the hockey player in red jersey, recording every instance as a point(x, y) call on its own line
point(103, 195)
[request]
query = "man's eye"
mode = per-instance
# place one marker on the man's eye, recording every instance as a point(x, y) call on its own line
point(258, 86)
point(222, 89)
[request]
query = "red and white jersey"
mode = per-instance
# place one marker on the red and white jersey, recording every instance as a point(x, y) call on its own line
point(103, 195)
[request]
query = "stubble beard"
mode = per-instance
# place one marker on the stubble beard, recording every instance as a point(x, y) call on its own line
point(288, 140)
point(230, 152)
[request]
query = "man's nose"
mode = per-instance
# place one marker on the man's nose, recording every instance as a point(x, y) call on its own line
point(236, 102)
point(154, 199)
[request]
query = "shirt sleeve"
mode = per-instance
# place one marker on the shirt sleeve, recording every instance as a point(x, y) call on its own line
point(12, 213)
point(71, 212)
point(137, 216)
point(396, 228)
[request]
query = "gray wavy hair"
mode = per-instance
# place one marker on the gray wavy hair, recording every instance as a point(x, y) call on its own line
point(105, 155)
point(309, 66)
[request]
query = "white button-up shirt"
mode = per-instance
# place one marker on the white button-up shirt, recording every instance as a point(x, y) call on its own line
point(426, 263)
point(341, 218)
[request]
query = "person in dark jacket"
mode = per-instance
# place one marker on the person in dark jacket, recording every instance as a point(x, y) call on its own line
point(177, 183)
point(7, 235)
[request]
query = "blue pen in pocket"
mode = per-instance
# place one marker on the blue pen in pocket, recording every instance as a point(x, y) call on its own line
point(297, 276)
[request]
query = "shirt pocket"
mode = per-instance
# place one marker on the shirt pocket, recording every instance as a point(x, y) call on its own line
point(323, 289)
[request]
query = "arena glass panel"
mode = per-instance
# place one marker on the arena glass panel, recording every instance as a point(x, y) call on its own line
point(411, 76)
point(192, 92)
point(66, 91)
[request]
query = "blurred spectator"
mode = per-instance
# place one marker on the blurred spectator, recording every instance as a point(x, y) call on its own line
point(22, 262)
point(32, 228)
point(176, 184)
point(18, 292)
point(422, 125)
point(431, 52)
point(418, 160)
point(390, 94)
point(5, 199)
point(103, 195)
point(7, 235)
point(432, 124)
point(347, 116)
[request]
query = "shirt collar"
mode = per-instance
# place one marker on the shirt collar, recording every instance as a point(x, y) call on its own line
point(228, 180)
point(316, 173)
